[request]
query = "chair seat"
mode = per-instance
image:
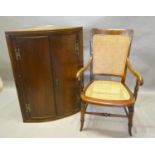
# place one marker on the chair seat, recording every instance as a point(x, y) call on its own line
point(106, 92)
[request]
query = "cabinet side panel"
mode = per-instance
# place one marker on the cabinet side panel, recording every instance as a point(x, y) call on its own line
point(11, 44)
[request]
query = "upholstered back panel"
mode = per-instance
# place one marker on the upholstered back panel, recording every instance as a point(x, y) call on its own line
point(110, 53)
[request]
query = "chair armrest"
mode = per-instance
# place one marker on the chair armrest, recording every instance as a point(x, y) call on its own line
point(135, 73)
point(85, 67)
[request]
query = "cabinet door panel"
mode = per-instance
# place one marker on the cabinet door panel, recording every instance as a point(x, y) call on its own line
point(36, 74)
point(65, 65)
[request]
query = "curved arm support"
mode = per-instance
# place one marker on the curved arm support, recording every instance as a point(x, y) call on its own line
point(80, 72)
point(139, 80)
point(135, 73)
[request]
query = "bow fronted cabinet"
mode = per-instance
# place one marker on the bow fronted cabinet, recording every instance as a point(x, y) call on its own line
point(110, 50)
point(45, 60)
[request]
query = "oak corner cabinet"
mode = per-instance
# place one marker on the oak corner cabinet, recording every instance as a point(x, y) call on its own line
point(44, 61)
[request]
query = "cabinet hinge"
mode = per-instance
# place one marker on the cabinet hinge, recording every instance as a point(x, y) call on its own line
point(28, 108)
point(17, 54)
point(77, 48)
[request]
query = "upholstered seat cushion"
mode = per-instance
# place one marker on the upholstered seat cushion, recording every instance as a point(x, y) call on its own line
point(1, 84)
point(107, 90)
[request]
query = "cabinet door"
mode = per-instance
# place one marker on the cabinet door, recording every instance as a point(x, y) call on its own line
point(65, 54)
point(35, 72)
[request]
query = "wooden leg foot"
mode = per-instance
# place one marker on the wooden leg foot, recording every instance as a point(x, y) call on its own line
point(130, 119)
point(83, 109)
point(130, 130)
point(82, 123)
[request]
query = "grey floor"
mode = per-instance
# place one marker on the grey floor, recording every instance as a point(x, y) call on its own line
point(11, 124)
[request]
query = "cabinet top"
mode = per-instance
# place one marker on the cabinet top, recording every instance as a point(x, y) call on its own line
point(43, 28)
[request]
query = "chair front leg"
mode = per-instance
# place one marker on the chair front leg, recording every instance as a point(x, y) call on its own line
point(83, 110)
point(136, 89)
point(130, 119)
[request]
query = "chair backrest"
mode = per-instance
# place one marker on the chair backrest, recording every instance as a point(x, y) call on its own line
point(110, 49)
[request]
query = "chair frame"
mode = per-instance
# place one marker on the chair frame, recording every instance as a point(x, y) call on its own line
point(128, 106)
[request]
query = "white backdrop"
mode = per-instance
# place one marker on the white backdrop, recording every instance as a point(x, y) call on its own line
point(142, 51)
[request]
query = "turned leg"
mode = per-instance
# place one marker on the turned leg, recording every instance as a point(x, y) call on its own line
point(83, 109)
point(130, 119)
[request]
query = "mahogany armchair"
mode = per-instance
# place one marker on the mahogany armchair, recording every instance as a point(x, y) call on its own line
point(110, 50)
